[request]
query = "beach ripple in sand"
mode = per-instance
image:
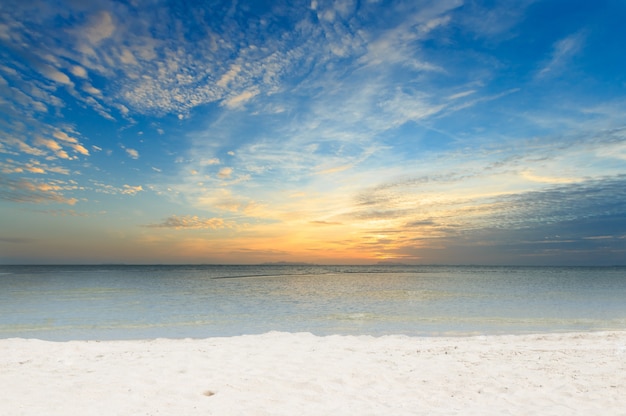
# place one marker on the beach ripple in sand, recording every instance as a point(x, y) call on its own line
point(287, 374)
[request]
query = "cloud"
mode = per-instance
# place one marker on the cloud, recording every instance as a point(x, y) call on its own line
point(325, 223)
point(462, 94)
point(240, 99)
point(567, 202)
point(90, 89)
point(175, 77)
point(492, 21)
point(615, 150)
point(63, 154)
point(55, 75)
point(79, 71)
point(99, 27)
point(563, 52)
point(225, 173)
point(191, 222)
point(79, 148)
point(357, 90)
point(483, 99)
point(229, 76)
point(211, 161)
point(405, 107)
point(398, 44)
point(222, 199)
point(132, 153)
point(107, 188)
point(128, 58)
point(420, 223)
point(335, 169)
point(131, 190)
point(23, 147)
point(527, 174)
point(64, 137)
point(48, 143)
point(33, 166)
point(26, 191)
point(57, 148)
point(27, 102)
point(239, 60)
point(452, 208)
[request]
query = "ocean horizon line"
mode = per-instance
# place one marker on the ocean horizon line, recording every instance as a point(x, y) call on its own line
point(287, 263)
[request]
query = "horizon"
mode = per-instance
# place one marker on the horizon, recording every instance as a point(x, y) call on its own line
point(449, 132)
point(286, 263)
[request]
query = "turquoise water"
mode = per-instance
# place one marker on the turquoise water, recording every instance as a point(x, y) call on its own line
point(129, 302)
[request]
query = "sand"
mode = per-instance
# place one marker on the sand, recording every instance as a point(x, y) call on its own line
point(301, 374)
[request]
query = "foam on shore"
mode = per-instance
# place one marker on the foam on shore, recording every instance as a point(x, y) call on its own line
point(301, 374)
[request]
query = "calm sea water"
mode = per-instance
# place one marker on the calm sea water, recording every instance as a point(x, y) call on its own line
point(128, 302)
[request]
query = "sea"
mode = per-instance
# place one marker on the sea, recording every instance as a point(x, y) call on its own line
point(110, 302)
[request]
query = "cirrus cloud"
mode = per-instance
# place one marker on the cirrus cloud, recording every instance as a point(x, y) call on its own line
point(191, 222)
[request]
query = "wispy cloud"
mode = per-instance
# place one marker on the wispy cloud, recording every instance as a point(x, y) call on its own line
point(106, 188)
point(562, 54)
point(338, 131)
point(241, 98)
point(494, 21)
point(461, 94)
point(32, 166)
point(448, 219)
point(191, 222)
point(33, 192)
point(371, 128)
point(324, 222)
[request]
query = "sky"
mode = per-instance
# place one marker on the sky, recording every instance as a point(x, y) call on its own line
point(330, 132)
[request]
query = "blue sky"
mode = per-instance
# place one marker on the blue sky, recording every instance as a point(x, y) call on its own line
point(455, 132)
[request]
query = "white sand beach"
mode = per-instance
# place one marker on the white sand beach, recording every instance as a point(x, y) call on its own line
point(301, 374)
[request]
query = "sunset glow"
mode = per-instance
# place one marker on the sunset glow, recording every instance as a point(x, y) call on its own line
point(434, 132)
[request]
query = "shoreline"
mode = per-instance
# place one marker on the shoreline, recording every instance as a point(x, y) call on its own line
point(280, 373)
